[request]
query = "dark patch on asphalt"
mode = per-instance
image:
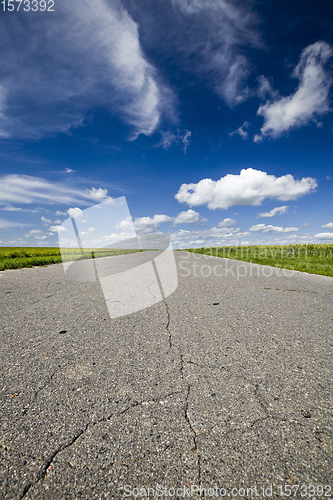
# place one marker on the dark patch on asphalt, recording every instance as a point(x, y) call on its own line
point(306, 414)
point(63, 331)
point(216, 303)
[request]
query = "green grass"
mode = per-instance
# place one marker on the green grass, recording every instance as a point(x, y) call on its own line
point(310, 258)
point(17, 257)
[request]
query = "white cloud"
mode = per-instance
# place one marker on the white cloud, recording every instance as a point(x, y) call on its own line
point(33, 232)
point(10, 208)
point(98, 194)
point(188, 217)
point(69, 170)
point(274, 211)
point(208, 42)
point(89, 231)
point(28, 189)
point(250, 187)
point(75, 212)
point(265, 88)
point(150, 224)
point(58, 212)
point(7, 224)
point(329, 225)
point(57, 229)
point(186, 139)
point(306, 224)
point(227, 223)
point(40, 237)
point(170, 137)
point(89, 56)
point(310, 99)
point(213, 236)
point(46, 221)
point(263, 228)
point(324, 236)
point(240, 131)
point(58, 221)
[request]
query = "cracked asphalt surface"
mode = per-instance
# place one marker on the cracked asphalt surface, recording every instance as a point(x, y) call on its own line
point(227, 382)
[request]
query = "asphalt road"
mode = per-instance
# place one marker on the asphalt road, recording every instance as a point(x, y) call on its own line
point(226, 383)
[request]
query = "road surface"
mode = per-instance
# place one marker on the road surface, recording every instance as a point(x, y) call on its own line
point(226, 384)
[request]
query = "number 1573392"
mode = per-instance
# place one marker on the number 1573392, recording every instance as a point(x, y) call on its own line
point(27, 5)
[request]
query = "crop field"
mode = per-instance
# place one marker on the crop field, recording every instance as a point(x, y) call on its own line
point(17, 257)
point(310, 258)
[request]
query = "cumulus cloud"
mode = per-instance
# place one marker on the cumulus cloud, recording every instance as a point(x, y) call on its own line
point(98, 194)
point(250, 187)
point(213, 236)
point(310, 99)
point(263, 228)
point(329, 225)
point(58, 229)
point(306, 224)
point(89, 56)
point(227, 223)
point(274, 211)
point(324, 236)
point(88, 231)
point(46, 221)
point(240, 131)
point(150, 224)
point(76, 212)
point(33, 232)
point(188, 217)
point(40, 237)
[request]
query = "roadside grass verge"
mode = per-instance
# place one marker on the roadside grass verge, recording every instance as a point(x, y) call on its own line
point(309, 258)
point(18, 257)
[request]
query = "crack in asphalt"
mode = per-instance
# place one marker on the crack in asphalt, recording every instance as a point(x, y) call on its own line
point(38, 392)
point(187, 418)
point(196, 449)
point(48, 462)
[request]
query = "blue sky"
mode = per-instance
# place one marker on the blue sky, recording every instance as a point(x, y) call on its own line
point(213, 118)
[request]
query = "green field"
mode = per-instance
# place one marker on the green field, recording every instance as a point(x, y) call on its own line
point(17, 257)
point(314, 259)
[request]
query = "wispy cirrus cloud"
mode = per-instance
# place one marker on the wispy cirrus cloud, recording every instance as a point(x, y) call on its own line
point(213, 33)
point(89, 55)
point(7, 224)
point(25, 189)
point(170, 137)
point(241, 131)
point(250, 187)
point(311, 99)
